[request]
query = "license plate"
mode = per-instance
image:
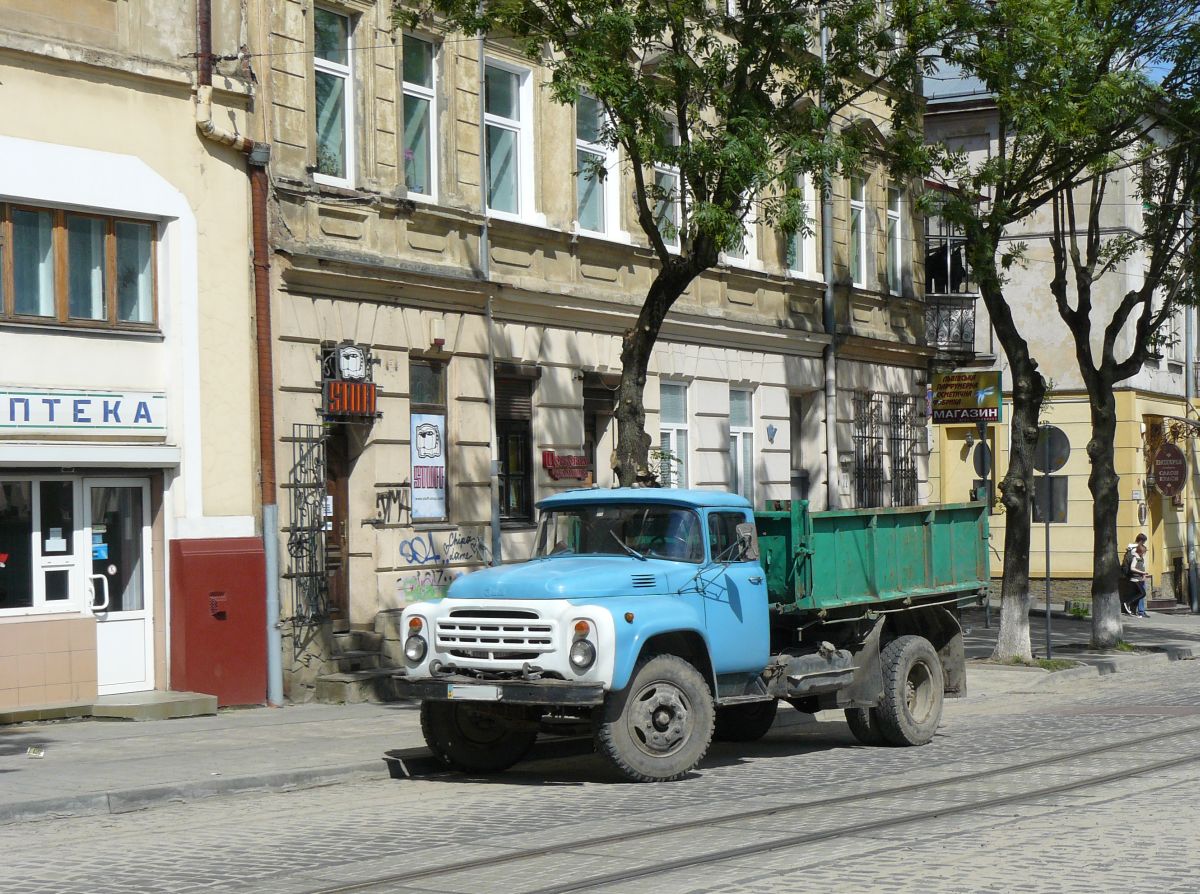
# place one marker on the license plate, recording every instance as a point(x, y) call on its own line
point(468, 692)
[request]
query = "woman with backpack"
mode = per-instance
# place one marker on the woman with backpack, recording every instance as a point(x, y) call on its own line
point(1134, 566)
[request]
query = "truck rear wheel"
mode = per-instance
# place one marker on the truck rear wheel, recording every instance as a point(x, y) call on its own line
point(478, 740)
point(745, 723)
point(659, 726)
point(913, 684)
point(864, 726)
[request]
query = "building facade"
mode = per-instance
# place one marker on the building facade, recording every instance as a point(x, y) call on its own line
point(126, 363)
point(1151, 406)
point(439, 249)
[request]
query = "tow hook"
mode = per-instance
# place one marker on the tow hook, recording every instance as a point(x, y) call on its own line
point(531, 672)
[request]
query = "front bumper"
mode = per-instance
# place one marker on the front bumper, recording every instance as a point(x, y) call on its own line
point(512, 692)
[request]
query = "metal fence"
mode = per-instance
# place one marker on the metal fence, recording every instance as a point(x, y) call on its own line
point(306, 525)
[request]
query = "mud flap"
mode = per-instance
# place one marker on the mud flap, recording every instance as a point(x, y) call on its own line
point(866, 686)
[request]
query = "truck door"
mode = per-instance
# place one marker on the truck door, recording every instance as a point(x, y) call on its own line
point(735, 600)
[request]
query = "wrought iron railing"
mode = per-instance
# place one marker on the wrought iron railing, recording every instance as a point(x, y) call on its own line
point(950, 291)
point(950, 322)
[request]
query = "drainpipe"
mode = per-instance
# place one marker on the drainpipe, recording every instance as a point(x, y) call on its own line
point(1189, 371)
point(485, 268)
point(258, 154)
point(829, 355)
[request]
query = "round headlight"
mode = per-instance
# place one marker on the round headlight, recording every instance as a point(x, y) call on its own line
point(414, 648)
point(583, 654)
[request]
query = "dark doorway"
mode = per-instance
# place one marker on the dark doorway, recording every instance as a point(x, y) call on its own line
point(337, 536)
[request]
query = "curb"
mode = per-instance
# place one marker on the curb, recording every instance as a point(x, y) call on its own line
point(131, 799)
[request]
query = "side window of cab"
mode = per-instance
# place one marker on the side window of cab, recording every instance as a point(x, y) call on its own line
point(722, 535)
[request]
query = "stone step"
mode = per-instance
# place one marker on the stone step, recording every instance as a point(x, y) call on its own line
point(353, 687)
point(357, 641)
point(155, 705)
point(356, 660)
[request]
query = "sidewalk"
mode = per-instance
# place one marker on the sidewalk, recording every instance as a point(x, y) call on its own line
point(98, 767)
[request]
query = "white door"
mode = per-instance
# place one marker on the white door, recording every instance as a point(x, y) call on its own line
point(116, 514)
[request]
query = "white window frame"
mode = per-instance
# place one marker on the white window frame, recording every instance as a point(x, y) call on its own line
point(895, 240)
point(672, 171)
point(669, 434)
point(430, 95)
point(525, 212)
point(346, 73)
point(858, 232)
point(804, 246)
point(742, 479)
point(610, 192)
point(749, 256)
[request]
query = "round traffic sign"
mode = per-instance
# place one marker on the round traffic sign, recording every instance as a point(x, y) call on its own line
point(1059, 449)
point(1170, 470)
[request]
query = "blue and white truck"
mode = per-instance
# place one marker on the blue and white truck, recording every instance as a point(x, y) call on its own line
point(663, 618)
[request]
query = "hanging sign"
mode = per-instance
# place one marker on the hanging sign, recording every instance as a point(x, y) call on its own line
point(1170, 470)
point(428, 466)
point(966, 397)
point(347, 391)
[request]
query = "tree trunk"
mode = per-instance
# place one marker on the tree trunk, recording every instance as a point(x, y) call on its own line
point(632, 465)
point(1102, 482)
point(1029, 390)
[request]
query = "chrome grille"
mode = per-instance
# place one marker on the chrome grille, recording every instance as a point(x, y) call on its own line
point(495, 634)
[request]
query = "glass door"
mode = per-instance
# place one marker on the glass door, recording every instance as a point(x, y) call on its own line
point(117, 528)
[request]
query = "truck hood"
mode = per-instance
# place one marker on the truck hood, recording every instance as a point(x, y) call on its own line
point(572, 577)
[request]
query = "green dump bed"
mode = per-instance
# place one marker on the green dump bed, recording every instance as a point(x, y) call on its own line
point(847, 557)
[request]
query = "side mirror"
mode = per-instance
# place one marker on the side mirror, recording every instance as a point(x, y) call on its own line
point(747, 537)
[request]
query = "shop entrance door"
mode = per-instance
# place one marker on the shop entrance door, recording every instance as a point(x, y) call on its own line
point(116, 519)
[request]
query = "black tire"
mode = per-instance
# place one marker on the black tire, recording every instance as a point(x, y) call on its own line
point(478, 740)
point(865, 726)
point(913, 684)
point(659, 726)
point(745, 723)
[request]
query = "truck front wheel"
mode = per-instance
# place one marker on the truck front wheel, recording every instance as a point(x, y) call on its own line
point(658, 727)
point(913, 684)
point(478, 740)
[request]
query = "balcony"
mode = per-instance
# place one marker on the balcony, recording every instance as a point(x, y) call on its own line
point(950, 294)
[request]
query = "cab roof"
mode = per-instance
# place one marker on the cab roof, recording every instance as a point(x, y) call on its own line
point(672, 495)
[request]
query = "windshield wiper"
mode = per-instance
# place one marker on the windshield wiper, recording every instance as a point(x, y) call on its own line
point(625, 546)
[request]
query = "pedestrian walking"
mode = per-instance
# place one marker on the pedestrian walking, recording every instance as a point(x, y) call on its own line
point(1134, 567)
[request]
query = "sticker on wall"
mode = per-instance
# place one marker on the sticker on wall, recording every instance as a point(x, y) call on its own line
point(99, 552)
point(428, 466)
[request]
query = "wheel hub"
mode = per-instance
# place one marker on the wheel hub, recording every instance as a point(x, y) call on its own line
point(660, 720)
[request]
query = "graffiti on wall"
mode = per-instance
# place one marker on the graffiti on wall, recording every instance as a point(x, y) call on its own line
point(440, 550)
point(393, 504)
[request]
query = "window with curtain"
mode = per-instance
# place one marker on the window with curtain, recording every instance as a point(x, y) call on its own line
point(505, 119)
point(596, 175)
point(895, 236)
point(858, 231)
point(334, 84)
point(741, 442)
point(802, 246)
point(419, 117)
point(71, 268)
point(673, 434)
point(668, 202)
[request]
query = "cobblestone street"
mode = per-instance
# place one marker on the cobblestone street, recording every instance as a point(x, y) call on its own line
point(1127, 835)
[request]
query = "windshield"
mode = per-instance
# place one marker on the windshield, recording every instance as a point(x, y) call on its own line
point(618, 529)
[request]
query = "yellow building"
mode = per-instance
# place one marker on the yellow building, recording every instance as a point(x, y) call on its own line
point(1151, 406)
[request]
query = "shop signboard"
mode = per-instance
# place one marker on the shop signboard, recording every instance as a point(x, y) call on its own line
point(1170, 470)
point(428, 466)
point(52, 411)
point(565, 465)
point(967, 397)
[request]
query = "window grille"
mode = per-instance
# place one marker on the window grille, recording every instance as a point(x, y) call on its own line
point(906, 431)
point(868, 449)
